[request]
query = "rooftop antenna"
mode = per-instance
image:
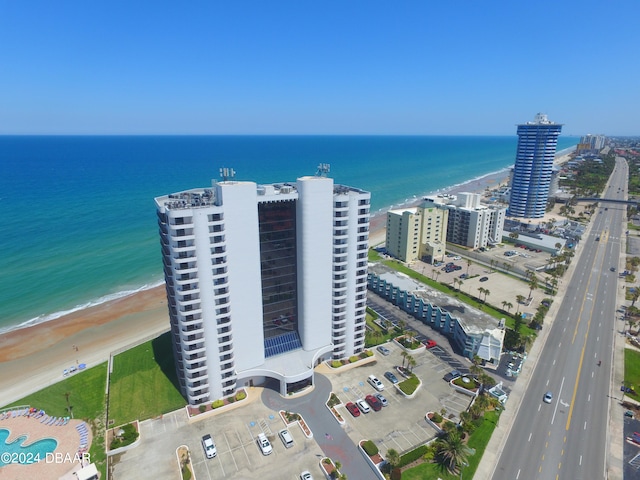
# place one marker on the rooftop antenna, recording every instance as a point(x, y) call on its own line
point(227, 173)
point(323, 169)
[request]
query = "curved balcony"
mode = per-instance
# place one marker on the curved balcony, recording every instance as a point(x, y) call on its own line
point(201, 397)
point(196, 348)
point(187, 287)
point(183, 312)
point(336, 337)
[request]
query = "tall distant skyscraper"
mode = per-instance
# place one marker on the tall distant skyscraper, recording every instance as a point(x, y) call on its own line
point(263, 281)
point(531, 178)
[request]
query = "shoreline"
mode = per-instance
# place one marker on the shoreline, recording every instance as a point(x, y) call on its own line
point(39, 353)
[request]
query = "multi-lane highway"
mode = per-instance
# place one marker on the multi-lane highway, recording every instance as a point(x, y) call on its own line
point(568, 438)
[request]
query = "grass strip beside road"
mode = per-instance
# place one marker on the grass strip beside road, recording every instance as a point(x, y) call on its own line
point(478, 440)
point(632, 371)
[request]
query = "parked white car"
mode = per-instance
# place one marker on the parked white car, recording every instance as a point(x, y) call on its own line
point(209, 447)
point(264, 444)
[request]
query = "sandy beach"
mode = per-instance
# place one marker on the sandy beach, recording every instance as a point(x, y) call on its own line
point(34, 357)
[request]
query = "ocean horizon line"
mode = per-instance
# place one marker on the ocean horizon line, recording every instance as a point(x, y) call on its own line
point(309, 135)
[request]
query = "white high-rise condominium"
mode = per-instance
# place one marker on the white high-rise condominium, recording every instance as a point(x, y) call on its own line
point(263, 281)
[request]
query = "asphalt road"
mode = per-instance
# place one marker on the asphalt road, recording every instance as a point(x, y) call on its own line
point(569, 437)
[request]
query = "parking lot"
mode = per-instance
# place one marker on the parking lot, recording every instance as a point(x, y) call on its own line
point(400, 425)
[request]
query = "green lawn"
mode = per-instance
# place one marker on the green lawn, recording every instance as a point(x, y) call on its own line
point(632, 371)
point(144, 382)
point(409, 385)
point(86, 393)
point(478, 440)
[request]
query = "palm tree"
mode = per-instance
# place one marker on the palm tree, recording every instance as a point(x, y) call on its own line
point(451, 451)
point(486, 292)
point(520, 300)
point(411, 362)
point(475, 369)
point(481, 291)
point(486, 380)
point(634, 296)
point(468, 265)
point(460, 283)
point(533, 284)
point(509, 306)
point(504, 304)
point(393, 457)
point(404, 356)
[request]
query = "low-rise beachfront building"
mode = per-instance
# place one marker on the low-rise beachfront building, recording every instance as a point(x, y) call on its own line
point(471, 331)
point(417, 233)
point(263, 281)
point(470, 223)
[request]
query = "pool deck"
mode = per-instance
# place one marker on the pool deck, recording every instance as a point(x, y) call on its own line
point(65, 457)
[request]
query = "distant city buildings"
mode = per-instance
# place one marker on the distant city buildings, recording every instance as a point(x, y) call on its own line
point(590, 144)
point(263, 281)
point(531, 178)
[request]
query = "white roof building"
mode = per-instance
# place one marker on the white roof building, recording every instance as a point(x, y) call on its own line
point(263, 281)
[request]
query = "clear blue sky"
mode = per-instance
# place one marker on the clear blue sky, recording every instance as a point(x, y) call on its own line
point(323, 67)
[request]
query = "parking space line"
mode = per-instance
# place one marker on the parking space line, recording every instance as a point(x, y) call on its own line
point(231, 452)
point(242, 445)
point(221, 467)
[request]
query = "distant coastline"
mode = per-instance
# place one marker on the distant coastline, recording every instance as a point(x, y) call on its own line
point(123, 250)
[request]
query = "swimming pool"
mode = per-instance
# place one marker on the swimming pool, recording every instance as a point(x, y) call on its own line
point(15, 452)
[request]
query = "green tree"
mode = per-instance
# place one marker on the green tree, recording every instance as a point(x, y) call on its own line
point(634, 296)
point(411, 362)
point(393, 457)
point(451, 452)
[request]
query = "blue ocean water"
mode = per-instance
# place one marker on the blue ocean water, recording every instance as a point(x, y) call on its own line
point(79, 223)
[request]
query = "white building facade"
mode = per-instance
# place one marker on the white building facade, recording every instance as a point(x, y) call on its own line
point(471, 223)
point(263, 281)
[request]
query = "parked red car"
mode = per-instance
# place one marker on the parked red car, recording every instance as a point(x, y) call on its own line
point(374, 403)
point(353, 410)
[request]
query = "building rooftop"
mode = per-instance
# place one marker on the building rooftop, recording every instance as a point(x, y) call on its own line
point(204, 197)
point(472, 320)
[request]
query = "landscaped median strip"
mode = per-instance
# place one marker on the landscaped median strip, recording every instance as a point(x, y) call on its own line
point(289, 418)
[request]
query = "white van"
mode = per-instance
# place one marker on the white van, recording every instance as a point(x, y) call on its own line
point(375, 383)
point(286, 438)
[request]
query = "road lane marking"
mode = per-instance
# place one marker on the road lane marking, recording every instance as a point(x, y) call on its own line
point(557, 402)
point(530, 433)
point(580, 363)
